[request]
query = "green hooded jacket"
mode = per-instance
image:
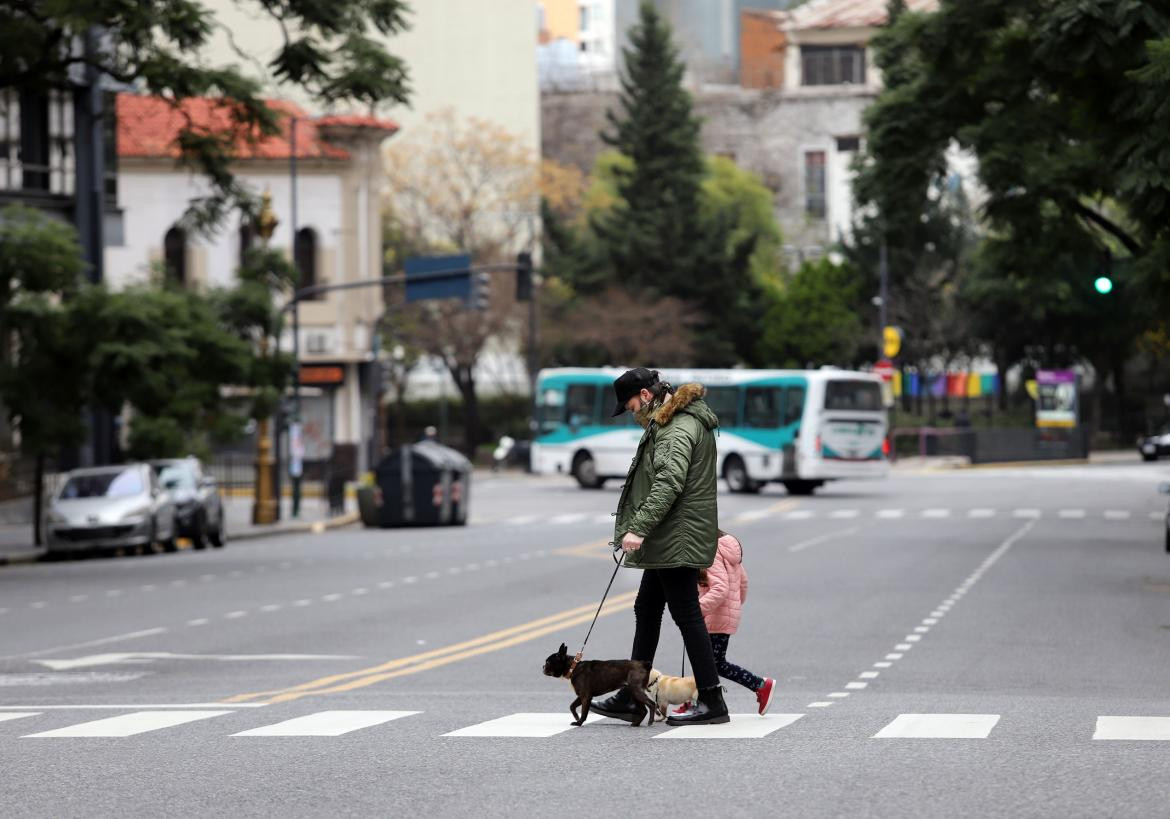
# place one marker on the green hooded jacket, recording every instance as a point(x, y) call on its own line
point(670, 492)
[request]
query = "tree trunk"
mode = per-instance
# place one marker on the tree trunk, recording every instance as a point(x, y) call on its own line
point(38, 499)
point(1001, 368)
point(465, 380)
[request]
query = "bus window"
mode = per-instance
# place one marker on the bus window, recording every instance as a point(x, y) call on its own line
point(581, 405)
point(762, 407)
point(550, 411)
point(853, 395)
point(793, 405)
point(724, 402)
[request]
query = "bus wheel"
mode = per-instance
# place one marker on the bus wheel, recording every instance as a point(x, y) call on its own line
point(585, 471)
point(735, 473)
point(801, 487)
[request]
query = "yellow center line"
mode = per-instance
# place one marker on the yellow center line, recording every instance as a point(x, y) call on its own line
point(489, 642)
point(593, 548)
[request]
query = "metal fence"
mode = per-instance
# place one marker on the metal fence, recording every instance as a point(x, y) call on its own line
point(982, 445)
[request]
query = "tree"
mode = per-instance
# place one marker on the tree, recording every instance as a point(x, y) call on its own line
point(461, 186)
point(328, 50)
point(1063, 105)
point(652, 237)
point(43, 379)
point(815, 320)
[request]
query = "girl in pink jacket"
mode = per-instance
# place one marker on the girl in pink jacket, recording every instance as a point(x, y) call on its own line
point(722, 590)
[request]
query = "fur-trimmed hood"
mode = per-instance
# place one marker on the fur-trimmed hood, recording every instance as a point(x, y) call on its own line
point(687, 398)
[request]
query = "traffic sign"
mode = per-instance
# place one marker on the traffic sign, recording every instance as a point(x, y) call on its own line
point(885, 368)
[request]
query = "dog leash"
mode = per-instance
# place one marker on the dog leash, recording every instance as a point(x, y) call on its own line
point(577, 657)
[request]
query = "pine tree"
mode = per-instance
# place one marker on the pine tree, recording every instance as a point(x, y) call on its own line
point(653, 239)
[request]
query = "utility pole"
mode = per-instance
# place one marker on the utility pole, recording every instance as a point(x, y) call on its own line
point(264, 504)
point(296, 464)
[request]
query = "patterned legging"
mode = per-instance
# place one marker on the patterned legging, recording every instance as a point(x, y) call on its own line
point(730, 671)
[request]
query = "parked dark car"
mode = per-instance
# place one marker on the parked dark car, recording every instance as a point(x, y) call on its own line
point(106, 508)
point(198, 507)
point(1153, 446)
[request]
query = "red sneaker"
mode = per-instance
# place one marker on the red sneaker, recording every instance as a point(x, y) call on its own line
point(682, 709)
point(764, 695)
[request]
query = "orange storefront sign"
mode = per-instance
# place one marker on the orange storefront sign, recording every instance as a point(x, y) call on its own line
point(322, 375)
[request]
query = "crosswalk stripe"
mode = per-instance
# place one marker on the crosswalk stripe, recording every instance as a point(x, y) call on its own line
point(742, 726)
point(127, 725)
point(523, 725)
point(939, 726)
point(1132, 728)
point(20, 715)
point(326, 724)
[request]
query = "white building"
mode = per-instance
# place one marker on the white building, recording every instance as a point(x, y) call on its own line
point(338, 239)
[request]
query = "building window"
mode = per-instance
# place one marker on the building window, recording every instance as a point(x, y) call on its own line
point(247, 240)
point(832, 65)
point(36, 142)
point(305, 259)
point(849, 144)
point(814, 184)
point(175, 256)
point(583, 23)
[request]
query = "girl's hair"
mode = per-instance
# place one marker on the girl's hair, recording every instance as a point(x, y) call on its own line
point(702, 577)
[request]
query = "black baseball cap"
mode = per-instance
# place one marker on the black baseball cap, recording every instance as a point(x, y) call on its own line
point(629, 384)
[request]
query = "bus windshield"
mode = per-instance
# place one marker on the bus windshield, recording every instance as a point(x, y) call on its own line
point(853, 395)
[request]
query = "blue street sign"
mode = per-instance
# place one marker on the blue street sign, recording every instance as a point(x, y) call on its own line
point(456, 287)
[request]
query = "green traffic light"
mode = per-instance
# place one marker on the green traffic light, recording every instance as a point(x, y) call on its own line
point(1104, 284)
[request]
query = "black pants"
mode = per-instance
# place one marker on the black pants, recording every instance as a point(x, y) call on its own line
point(678, 589)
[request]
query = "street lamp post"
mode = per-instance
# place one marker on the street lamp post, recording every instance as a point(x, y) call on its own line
point(264, 504)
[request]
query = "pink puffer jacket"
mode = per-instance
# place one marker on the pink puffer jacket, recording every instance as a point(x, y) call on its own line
point(722, 598)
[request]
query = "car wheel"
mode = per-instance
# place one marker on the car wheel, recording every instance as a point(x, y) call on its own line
point(585, 471)
point(800, 488)
point(170, 544)
point(735, 473)
point(1149, 456)
point(198, 530)
point(218, 537)
point(1168, 533)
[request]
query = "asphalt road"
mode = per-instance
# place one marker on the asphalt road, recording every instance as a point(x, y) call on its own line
point(984, 642)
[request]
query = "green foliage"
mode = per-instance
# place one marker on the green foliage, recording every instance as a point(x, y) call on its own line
point(815, 321)
point(327, 52)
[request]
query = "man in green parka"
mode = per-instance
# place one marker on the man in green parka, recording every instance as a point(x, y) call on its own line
point(667, 525)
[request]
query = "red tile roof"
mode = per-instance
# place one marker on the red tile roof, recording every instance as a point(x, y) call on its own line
point(826, 14)
point(148, 127)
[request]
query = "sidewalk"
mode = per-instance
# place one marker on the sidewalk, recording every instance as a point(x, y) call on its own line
point(16, 538)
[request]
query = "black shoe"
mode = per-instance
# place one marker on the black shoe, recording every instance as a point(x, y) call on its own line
point(710, 709)
point(619, 705)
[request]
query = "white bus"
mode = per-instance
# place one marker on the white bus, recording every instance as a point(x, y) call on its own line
point(800, 428)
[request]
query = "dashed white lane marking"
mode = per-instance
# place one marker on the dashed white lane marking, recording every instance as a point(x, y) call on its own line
point(1116, 514)
point(868, 675)
point(235, 615)
point(1132, 728)
point(1071, 514)
point(818, 705)
point(798, 514)
point(40, 604)
point(330, 598)
point(571, 518)
point(409, 580)
point(981, 513)
point(837, 695)
point(522, 725)
point(271, 607)
point(358, 592)
point(755, 514)
point(805, 544)
point(326, 724)
point(742, 726)
point(201, 621)
point(903, 647)
point(894, 656)
point(79, 598)
point(882, 665)
point(939, 726)
point(126, 725)
point(1157, 515)
point(18, 715)
point(844, 514)
point(522, 520)
point(936, 514)
point(1030, 514)
point(890, 514)
point(856, 686)
point(302, 603)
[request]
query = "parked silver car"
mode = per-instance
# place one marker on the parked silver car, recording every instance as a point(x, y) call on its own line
point(109, 507)
point(198, 508)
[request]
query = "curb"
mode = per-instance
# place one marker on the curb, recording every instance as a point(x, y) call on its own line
point(16, 558)
point(316, 527)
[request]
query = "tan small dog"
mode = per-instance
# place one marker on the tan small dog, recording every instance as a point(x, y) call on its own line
point(668, 690)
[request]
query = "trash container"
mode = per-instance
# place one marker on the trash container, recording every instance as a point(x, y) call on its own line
point(424, 484)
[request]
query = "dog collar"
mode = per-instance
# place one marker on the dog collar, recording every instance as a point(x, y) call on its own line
point(573, 665)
